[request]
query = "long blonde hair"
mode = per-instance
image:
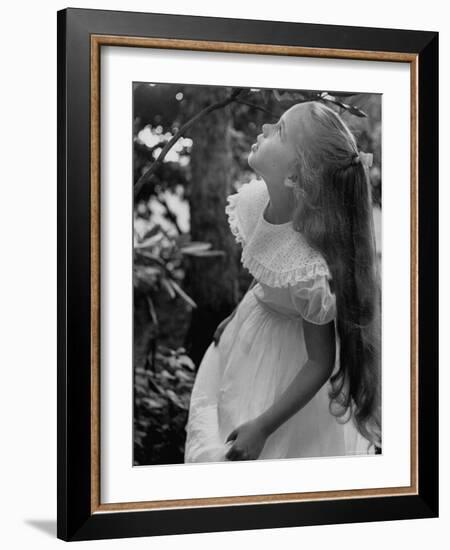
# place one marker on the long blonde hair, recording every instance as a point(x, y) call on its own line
point(334, 213)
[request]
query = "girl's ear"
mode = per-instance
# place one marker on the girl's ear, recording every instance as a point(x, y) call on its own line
point(292, 178)
point(294, 170)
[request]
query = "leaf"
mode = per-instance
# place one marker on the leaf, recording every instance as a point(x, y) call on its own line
point(172, 362)
point(350, 108)
point(166, 374)
point(164, 349)
point(152, 231)
point(183, 294)
point(357, 112)
point(183, 375)
point(347, 94)
point(150, 256)
point(327, 96)
point(152, 311)
point(194, 247)
point(150, 242)
point(156, 386)
point(186, 361)
point(175, 399)
point(153, 403)
point(149, 270)
point(207, 253)
point(168, 285)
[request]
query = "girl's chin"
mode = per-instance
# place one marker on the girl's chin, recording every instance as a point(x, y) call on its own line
point(251, 160)
point(253, 153)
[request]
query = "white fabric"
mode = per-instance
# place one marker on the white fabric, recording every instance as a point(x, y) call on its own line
point(262, 349)
point(314, 300)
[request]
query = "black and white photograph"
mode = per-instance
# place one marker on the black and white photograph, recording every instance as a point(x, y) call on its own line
point(221, 297)
point(257, 285)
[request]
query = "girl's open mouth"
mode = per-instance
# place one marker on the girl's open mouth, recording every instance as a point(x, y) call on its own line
point(254, 147)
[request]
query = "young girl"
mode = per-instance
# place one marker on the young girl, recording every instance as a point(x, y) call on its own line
point(296, 372)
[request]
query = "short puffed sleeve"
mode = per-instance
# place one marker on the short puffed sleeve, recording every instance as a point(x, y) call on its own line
point(313, 299)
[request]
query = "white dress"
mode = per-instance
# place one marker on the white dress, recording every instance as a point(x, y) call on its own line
point(262, 348)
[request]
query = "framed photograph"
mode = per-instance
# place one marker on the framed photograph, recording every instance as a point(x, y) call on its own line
point(247, 274)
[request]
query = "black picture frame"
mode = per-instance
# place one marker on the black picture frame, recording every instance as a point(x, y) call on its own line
point(79, 517)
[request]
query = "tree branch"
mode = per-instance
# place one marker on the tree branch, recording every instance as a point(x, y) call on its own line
point(148, 174)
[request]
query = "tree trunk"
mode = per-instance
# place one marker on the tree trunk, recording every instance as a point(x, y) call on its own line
point(212, 282)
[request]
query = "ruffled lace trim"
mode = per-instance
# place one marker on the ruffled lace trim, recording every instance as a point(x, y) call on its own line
point(283, 278)
point(231, 212)
point(276, 255)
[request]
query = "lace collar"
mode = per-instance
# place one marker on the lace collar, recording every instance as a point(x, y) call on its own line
point(275, 254)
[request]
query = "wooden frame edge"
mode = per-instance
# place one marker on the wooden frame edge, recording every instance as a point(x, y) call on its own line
point(237, 47)
point(414, 276)
point(111, 40)
point(95, 273)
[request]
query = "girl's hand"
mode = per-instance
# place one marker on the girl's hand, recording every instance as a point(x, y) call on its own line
point(249, 440)
point(221, 327)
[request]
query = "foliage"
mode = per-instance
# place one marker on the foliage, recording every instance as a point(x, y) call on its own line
point(158, 263)
point(161, 404)
point(162, 389)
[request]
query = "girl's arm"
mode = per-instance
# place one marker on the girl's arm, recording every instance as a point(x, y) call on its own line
point(321, 348)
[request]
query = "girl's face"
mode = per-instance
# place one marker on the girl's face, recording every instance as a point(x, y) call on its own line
point(273, 155)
